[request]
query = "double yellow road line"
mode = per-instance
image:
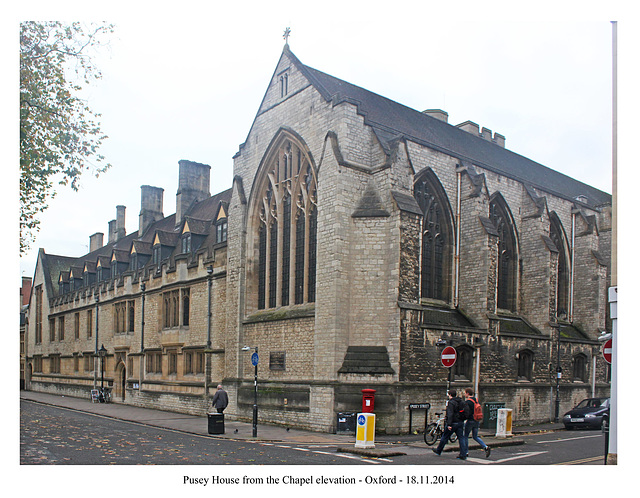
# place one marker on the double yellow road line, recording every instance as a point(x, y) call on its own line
point(584, 460)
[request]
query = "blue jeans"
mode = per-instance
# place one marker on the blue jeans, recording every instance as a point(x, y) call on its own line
point(471, 426)
point(456, 427)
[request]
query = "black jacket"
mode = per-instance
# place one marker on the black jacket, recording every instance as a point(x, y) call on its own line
point(453, 408)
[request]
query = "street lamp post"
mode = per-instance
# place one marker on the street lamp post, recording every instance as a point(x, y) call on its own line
point(210, 280)
point(95, 372)
point(143, 287)
point(254, 361)
point(102, 352)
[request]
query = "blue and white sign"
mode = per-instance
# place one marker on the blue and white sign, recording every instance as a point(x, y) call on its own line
point(254, 359)
point(361, 419)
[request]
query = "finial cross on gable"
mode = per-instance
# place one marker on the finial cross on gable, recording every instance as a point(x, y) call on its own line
point(287, 33)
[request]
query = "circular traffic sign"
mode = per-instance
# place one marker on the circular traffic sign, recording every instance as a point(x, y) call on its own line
point(607, 350)
point(448, 356)
point(254, 359)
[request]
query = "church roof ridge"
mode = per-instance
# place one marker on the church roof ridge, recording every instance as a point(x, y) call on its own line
point(392, 118)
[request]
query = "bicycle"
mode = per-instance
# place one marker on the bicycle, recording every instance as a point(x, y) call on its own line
point(434, 431)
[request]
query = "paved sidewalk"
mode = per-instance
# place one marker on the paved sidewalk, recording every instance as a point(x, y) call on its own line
point(386, 445)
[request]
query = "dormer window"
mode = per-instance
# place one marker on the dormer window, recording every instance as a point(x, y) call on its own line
point(221, 225)
point(186, 243)
point(221, 231)
point(156, 254)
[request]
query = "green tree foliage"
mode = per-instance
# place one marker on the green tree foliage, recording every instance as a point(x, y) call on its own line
point(59, 134)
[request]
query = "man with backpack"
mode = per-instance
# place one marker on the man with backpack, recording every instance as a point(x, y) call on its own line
point(457, 412)
point(473, 421)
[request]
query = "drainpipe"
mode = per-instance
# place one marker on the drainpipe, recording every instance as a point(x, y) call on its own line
point(457, 255)
point(477, 379)
point(573, 260)
point(593, 376)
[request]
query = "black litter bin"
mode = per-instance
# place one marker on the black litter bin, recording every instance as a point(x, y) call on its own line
point(216, 423)
point(346, 423)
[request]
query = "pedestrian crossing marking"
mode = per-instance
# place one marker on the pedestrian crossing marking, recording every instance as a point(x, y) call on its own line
point(515, 457)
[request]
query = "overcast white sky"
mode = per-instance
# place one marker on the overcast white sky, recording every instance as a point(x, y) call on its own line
point(186, 84)
point(183, 80)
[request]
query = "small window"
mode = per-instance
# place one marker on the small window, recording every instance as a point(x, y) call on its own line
point(186, 243)
point(61, 328)
point(525, 365)
point(463, 367)
point(89, 323)
point(172, 359)
point(131, 305)
point(153, 362)
point(157, 254)
point(221, 232)
point(284, 85)
point(185, 307)
point(52, 329)
point(54, 364)
point(76, 326)
point(580, 368)
point(193, 362)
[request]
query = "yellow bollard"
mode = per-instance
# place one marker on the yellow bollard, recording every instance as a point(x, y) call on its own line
point(365, 430)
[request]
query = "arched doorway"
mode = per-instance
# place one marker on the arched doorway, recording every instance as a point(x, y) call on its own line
point(120, 382)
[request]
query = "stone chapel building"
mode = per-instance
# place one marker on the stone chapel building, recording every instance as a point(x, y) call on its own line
point(358, 238)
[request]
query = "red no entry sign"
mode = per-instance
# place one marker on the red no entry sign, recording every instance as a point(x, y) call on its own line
point(448, 356)
point(607, 349)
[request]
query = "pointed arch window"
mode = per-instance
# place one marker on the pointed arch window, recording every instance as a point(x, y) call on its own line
point(524, 360)
point(559, 238)
point(463, 367)
point(507, 253)
point(285, 207)
point(437, 237)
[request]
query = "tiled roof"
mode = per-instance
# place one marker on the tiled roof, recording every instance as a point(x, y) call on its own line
point(391, 120)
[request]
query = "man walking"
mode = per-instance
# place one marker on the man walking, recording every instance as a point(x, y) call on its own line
point(220, 399)
point(454, 422)
point(472, 423)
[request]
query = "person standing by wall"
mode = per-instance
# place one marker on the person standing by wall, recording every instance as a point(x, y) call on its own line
point(220, 399)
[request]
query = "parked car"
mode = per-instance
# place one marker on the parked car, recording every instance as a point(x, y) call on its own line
point(590, 413)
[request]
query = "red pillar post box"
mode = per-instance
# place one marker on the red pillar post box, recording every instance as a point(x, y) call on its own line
point(368, 396)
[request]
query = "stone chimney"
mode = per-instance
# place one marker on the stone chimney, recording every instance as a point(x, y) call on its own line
point(470, 127)
point(120, 230)
point(474, 129)
point(95, 241)
point(150, 207)
point(112, 232)
point(438, 114)
point(193, 185)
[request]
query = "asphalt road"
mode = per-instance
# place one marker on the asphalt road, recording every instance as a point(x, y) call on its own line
point(53, 435)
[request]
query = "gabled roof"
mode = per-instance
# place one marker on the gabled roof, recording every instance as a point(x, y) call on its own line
point(197, 227)
point(140, 247)
point(391, 121)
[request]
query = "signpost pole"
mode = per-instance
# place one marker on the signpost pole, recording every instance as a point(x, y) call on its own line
point(254, 360)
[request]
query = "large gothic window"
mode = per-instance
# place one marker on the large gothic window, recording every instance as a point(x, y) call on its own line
point(285, 241)
point(507, 253)
point(557, 235)
point(437, 237)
